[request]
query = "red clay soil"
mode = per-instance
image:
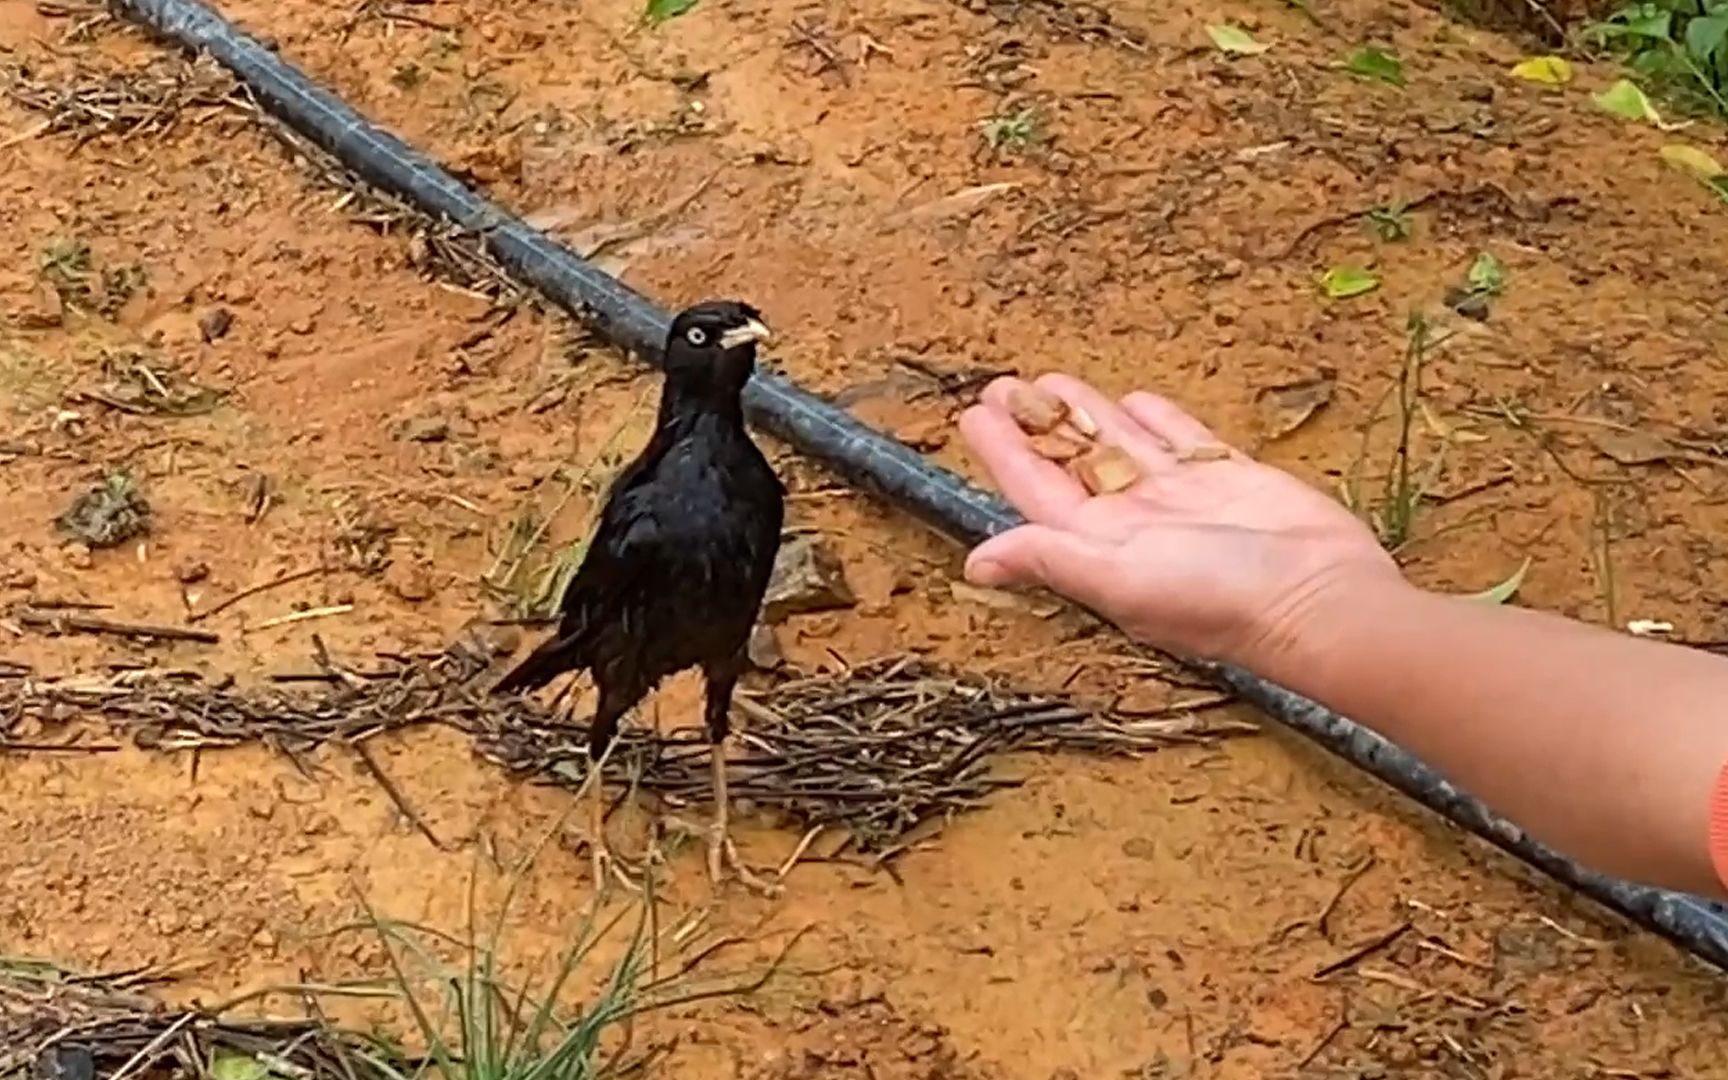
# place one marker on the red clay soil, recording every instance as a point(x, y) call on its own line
point(915, 192)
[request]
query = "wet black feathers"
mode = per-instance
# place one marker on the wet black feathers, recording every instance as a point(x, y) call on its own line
point(679, 561)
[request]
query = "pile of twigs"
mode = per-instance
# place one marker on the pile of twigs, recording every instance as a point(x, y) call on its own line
point(148, 101)
point(877, 750)
point(130, 103)
point(54, 1025)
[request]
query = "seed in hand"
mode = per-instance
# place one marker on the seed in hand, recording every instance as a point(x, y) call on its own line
point(1082, 423)
point(1057, 446)
point(1038, 412)
point(1105, 469)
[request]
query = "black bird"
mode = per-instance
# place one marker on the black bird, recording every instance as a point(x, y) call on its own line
point(675, 572)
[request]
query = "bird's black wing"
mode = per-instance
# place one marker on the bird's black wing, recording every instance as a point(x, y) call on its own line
point(622, 553)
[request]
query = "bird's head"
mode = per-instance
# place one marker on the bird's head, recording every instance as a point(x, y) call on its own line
point(714, 343)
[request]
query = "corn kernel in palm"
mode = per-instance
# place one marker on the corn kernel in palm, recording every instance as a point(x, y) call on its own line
point(1210, 452)
point(1058, 446)
point(1038, 412)
point(1081, 421)
point(1105, 469)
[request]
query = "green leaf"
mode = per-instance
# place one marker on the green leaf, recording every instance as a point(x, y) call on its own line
point(230, 1066)
point(659, 11)
point(1549, 70)
point(1372, 63)
point(1693, 160)
point(1626, 101)
point(1487, 274)
point(1506, 590)
point(1343, 282)
point(1235, 40)
point(1653, 24)
point(1705, 36)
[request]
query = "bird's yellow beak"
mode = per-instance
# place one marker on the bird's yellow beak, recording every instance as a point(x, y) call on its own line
point(743, 335)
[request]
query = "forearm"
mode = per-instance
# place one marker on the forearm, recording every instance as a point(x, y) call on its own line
point(1603, 745)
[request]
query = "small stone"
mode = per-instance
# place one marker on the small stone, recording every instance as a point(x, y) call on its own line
point(65, 1063)
point(1476, 91)
point(1139, 847)
point(764, 649)
point(808, 576)
point(264, 939)
point(39, 308)
point(302, 325)
point(78, 556)
point(426, 429)
point(192, 571)
point(215, 323)
point(410, 581)
point(488, 640)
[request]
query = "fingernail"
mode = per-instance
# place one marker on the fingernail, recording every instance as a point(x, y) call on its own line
point(987, 572)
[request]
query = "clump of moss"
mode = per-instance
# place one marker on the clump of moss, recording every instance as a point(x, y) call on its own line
point(110, 513)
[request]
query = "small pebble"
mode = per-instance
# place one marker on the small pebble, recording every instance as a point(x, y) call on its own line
point(410, 581)
point(78, 556)
point(215, 324)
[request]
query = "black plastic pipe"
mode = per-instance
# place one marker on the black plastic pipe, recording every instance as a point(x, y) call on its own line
point(854, 451)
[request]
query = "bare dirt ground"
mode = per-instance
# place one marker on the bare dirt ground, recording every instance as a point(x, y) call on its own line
point(1162, 216)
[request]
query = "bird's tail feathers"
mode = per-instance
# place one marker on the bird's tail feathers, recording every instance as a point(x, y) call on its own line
point(550, 660)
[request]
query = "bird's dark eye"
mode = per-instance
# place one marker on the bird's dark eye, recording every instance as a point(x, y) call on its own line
point(696, 336)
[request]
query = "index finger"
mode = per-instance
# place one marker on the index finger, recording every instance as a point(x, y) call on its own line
point(1038, 487)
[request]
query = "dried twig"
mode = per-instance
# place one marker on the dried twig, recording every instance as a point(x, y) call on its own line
point(302, 616)
point(395, 794)
point(1361, 952)
point(254, 590)
point(60, 622)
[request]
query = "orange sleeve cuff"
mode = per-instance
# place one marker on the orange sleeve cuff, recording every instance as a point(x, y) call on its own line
point(1719, 826)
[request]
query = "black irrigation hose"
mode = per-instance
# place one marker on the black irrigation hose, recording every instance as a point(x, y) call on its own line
point(856, 452)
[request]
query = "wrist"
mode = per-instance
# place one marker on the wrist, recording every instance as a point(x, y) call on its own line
point(1299, 639)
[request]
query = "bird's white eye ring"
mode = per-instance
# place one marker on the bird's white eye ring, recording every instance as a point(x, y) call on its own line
point(696, 336)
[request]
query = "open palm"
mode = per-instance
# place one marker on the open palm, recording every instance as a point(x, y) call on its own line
point(1207, 554)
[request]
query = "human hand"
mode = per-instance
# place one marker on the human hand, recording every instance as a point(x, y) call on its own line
point(1211, 555)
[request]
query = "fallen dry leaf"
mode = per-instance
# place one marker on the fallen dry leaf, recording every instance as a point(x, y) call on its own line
point(1635, 447)
point(960, 204)
point(1002, 600)
point(1283, 409)
point(1105, 469)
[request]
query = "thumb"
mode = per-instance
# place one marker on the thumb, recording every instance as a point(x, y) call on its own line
point(1028, 555)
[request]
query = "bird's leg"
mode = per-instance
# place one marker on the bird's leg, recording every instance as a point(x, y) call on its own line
point(722, 853)
point(602, 737)
point(598, 849)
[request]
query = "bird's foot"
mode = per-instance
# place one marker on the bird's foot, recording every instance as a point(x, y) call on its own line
point(608, 867)
point(723, 855)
